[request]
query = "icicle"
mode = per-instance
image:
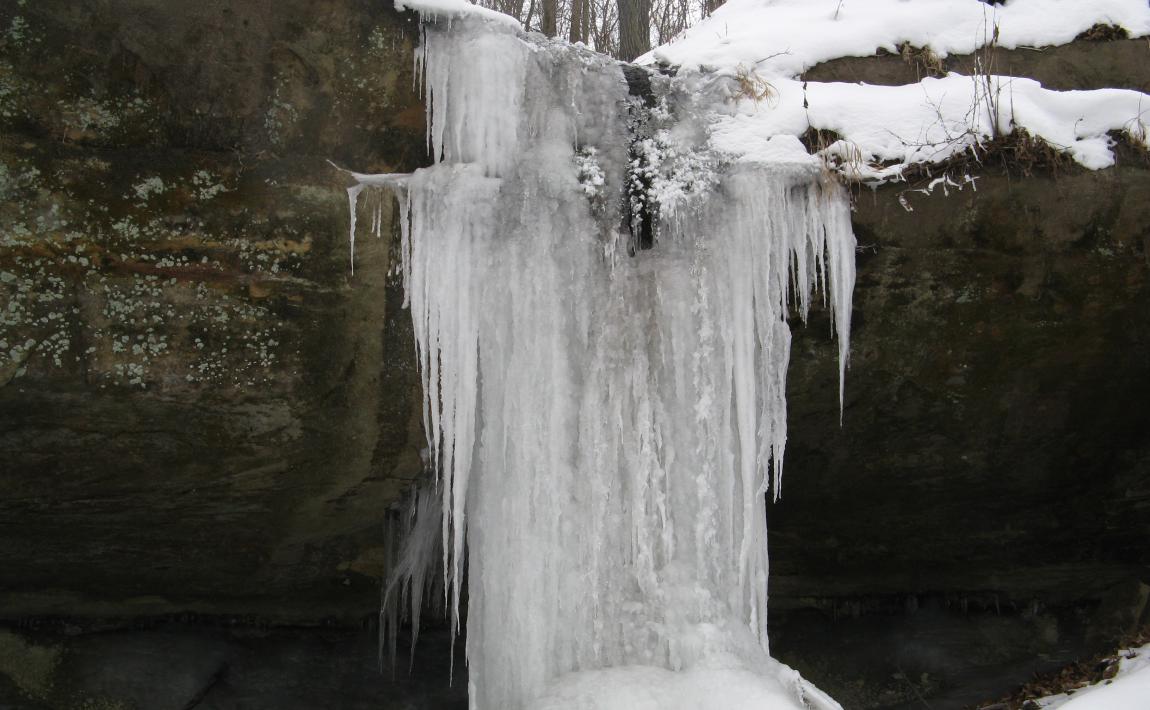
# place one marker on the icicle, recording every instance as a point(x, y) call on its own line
point(414, 566)
point(353, 199)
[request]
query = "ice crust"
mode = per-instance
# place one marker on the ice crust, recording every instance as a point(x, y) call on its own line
point(605, 422)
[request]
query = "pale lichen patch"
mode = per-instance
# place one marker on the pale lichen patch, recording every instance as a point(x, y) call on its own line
point(30, 666)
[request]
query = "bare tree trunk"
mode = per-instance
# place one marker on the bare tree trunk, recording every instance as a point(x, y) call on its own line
point(710, 6)
point(578, 32)
point(604, 26)
point(550, 26)
point(634, 28)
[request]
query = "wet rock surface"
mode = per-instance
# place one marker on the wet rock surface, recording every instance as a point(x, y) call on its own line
point(203, 412)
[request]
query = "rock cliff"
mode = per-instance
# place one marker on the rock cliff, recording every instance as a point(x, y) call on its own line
point(203, 414)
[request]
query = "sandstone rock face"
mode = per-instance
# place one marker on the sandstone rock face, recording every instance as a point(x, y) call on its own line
point(203, 413)
point(200, 407)
point(986, 501)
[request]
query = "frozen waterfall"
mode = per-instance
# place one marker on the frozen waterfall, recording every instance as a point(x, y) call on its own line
point(606, 420)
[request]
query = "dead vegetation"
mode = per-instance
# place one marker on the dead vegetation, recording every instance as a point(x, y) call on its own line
point(749, 85)
point(1021, 153)
point(817, 139)
point(923, 59)
point(1128, 151)
point(842, 163)
point(1068, 678)
point(1014, 154)
point(1103, 33)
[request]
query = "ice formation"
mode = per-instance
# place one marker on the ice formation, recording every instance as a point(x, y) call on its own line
point(605, 419)
point(413, 545)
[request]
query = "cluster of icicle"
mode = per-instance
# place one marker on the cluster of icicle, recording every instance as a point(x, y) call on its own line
point(605, 423)
point(412, 544)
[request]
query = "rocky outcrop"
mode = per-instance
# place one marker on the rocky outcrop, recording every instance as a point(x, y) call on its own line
point(982, 512)
point(1086, 64)
point(200, 407)
point(204, 414)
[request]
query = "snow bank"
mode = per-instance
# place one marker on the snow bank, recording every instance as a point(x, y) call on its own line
point(647, 688)
point(783, 38)
point(434, 9)
point(886, 128)
point(755, 48)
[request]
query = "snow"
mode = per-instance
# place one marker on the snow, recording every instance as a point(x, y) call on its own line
point(1128, 690)
point(887, 128)
point(437, 9)
point(784, 38)
point(605, 421)
point(890, 127)
point(648, 688)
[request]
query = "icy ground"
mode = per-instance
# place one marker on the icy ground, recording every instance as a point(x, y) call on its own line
point(1128, 690)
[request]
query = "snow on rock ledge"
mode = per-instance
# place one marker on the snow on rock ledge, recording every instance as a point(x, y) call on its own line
point(431, 9)
point(763, 46)
point(787, 37)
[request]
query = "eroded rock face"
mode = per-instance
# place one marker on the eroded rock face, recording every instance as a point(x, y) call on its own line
point(1085, 64)
point(984, 504)
point(202, 410)
point(991, 422)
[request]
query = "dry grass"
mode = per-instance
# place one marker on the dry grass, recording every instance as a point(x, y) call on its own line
point(749, 85)
point(1128, 151)
point(923, 59)
point(1018, 153)
point(1103, 33)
